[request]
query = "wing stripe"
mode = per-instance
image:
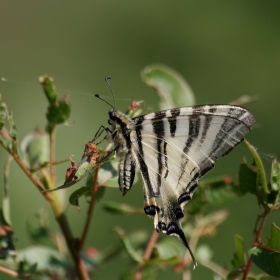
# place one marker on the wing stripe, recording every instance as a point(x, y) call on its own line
point(159, 131)
point(194, 127)
point(172, 120)
point(223, 134)
point(140, 157)
point(165, 157)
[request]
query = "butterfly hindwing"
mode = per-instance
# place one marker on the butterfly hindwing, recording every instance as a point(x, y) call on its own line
point(174, 149)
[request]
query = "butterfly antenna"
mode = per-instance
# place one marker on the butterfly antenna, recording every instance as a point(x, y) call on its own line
point(107, 81)
point(97, 95)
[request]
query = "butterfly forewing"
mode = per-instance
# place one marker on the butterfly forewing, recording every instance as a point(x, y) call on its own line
point(174, 149)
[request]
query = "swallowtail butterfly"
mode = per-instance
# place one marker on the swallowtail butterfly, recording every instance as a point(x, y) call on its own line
point(173, 149)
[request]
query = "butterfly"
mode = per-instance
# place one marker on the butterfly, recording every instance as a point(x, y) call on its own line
point(173, 149)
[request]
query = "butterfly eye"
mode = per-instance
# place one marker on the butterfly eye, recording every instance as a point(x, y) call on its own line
point(112, 115)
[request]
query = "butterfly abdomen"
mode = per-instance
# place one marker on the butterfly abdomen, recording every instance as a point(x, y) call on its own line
point(122, 141)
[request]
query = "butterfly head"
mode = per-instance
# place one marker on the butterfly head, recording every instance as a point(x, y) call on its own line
point(117, 117)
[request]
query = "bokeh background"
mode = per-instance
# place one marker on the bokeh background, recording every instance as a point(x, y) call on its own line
point(225, 49)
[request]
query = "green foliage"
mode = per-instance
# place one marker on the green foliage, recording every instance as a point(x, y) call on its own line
point(35, 146)
point(267, 257)
point(48, 259)
point(171, 87)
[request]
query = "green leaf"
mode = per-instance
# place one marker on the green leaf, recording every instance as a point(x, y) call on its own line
point(108, 174)
point(6, 116)
point(221, 193)
point(3, 113)
point(238, 260)
point(263, 190)
point(100, 193)
point(275, 175)
point(118, 208)
point(36, 146)
point(139, 237)
point(75, 174)
point(171, 87)
point(268, 257)
point(59, 113)
point(13, 130)
point(273, 241)
point(133, 254)
point(6, 211)
point(149, 272)
point(84, 168)
point(215, 191)
point(38, 233)
point(197, 203)
point(27, 269)
point(168, 251)
point(247, 178)
point(203, 252)
point(74, 197)
point(49, 88)
point(45, 258)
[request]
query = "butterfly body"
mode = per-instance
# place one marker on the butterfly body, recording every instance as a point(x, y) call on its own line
point(173, 149)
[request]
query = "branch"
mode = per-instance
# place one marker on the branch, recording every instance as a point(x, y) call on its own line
point(147, 254)
point(30, 175)
point(258, 232)
point(71, 243)
point(215, 268)
point(9, 272)
point(52, 154)
point(90, 209)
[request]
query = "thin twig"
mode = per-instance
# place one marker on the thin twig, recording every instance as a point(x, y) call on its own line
point(90, 209)
point(21, 164)
point(215, 268)
point(71, 243)
point(256, 241)
point(147, 254)
point(52, 154)
point(10, 272)
point(6, 174)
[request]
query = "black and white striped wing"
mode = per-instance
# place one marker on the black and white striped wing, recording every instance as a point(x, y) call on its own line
point(175, 148)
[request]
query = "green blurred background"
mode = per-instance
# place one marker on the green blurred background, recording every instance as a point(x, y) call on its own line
point(225, 49)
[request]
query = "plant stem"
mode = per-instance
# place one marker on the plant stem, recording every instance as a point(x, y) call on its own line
point(147, 254)
point(256, 240)
point(71, 243)
point(215, 268)
point(30, 175)
point(9, 272)
point(52, 154)
point(90, 209)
